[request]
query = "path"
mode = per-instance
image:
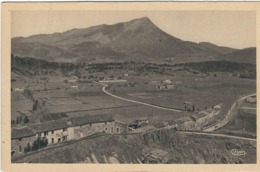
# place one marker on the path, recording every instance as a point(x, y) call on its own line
point(134, 101)
point(219, 135)
point(230, 115)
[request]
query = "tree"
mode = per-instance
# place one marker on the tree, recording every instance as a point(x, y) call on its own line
point(20, 120)
point(28, 148)
point(26, 120)
point(12, 122)
point(193, 108)
point(39, 143)
point(17, 120)
point(35, 105)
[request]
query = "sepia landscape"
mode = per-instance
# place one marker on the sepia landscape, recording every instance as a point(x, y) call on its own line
point(131, 93)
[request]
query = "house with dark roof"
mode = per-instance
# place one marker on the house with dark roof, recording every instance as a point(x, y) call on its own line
point(65, 129)
point(20, 138)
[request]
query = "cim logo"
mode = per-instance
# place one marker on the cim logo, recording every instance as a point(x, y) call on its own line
point(238, 152)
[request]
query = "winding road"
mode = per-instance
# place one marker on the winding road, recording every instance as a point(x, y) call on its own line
point(219, 135)
point(134, 101)
point(230, 115)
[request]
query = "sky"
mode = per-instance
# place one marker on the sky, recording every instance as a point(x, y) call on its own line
point(236, 29)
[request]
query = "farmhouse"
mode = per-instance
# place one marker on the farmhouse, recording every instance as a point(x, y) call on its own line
point(162, 124)
point(62, 130)
point(54, 131)
point(177, 82)
point(200, 119)
point(74, 86)
point(20, 138)
point(138, 122)
point(95, 124)
point(140, 125)
point(185, 123)
point(169, 86)
point(70, 80)
point(144, 127)
point(19, 90)
point(167, 81)
point(166, 87)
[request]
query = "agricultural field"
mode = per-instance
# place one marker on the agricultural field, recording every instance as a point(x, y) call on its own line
point(198, 89)
point(19, 104)
point(203, 92)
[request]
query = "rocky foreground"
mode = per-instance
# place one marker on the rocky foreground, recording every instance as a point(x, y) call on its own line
point(180, 148)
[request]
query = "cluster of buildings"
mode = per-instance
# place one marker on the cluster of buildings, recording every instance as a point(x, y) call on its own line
point(18, 89)
point(62, 130)
point(78, 127)
point(194, 122)
point(165, 84)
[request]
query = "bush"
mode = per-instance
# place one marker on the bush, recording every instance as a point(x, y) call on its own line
point(39, 143)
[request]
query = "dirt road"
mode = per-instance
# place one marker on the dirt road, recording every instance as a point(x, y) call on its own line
point(138, 102)
point(230, 115)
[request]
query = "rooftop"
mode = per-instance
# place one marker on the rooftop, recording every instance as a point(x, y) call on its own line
point(21, 132)
point(32, 129)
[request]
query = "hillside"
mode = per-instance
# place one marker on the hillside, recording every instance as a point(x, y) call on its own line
point(181, 148)
point(136, 40)
point(247, 55)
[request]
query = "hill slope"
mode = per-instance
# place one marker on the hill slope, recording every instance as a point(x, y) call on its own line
point(136, 40)
point(247, 55)
point(181, 149)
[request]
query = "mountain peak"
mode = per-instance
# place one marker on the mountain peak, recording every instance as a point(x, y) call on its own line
point(142, 20)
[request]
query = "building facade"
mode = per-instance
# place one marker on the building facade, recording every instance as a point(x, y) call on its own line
point(67, 129)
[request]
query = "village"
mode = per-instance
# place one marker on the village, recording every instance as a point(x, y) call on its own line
point(51, 110)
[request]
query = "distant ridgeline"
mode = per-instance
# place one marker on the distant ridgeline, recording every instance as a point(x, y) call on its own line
point(32, 66)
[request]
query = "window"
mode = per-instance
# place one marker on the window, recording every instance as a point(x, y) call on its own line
point(112, 130)
point(64, 129)
point(117, 130)
point(20, 149)
point(59, 140)
point(64, 138)
point(52, 140)
point(90, 124)
point(45, 133)
point(52, 132)
point(106, 128)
